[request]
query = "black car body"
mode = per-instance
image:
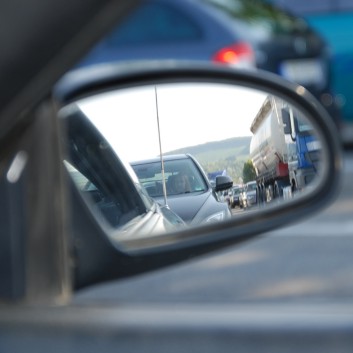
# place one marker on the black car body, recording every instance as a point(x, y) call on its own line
point(197, 203)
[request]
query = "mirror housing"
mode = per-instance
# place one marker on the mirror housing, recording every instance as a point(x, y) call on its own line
point(223, 182)
point(138, 254)
point(286, 121)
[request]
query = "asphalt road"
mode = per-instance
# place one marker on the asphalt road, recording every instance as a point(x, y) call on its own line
point(310, 261)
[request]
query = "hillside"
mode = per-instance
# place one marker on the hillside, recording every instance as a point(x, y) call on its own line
point(229, 155)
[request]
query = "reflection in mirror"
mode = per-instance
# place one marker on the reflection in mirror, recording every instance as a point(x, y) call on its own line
point(201, 152)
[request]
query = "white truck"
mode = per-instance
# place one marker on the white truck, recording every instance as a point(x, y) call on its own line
point(283, 149)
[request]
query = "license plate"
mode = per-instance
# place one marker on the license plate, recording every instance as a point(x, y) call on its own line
point(304, 72)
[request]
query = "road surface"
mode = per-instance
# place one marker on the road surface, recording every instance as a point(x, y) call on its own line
point(310, 261)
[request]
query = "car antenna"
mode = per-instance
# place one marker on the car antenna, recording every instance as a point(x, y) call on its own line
point(160, 150)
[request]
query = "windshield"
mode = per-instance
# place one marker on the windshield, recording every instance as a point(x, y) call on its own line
point(236, 191)
point(181, 176)
point(251, 187)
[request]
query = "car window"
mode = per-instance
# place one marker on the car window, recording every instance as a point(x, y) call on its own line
point(251, 187)
point(115, 213)
point(236, 191)
point(100, 175)
point(153, 23)
point(81, 181)
point(181, 176)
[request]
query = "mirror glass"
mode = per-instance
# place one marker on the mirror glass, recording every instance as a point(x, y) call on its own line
point(195, 153)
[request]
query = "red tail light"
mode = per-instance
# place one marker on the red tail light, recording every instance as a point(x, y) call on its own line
point(240, 54)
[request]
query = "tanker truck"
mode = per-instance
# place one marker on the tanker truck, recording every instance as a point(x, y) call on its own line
point(283, 149)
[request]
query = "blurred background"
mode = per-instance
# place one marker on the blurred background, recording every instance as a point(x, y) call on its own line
point(333, 20)
point(308, 42)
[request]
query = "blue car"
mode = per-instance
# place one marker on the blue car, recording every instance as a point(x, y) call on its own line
point(243, 33)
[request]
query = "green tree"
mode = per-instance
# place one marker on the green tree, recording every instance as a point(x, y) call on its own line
point(248, 171)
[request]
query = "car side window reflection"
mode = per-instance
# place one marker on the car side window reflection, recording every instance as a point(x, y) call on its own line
point(110, 209)
point(99, 174)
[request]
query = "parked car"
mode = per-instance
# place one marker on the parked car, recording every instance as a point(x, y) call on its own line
point(241, 33)
point(250, 194)
point(50, 240)
point(188, 191)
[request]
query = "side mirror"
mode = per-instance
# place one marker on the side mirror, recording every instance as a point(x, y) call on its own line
point(223, 182)
point(253, 147)
point(286, 121)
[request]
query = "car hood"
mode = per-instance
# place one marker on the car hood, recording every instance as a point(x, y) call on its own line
point(187, 206)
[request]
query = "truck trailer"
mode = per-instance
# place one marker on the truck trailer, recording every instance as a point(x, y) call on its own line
point(284, 150)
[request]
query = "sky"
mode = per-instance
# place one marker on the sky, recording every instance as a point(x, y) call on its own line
point(187, 115)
